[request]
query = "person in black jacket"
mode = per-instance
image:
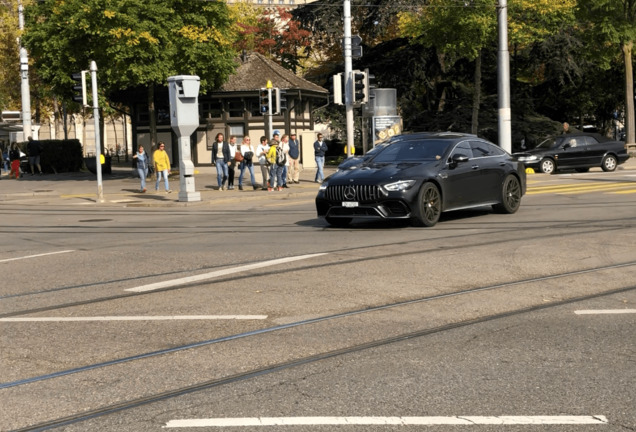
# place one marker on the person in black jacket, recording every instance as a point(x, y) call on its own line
point(320, 149)
point(33, 148)
point(221, 157)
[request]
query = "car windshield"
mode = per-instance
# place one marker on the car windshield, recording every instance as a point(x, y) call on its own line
point(546, 144)
point(430, 149)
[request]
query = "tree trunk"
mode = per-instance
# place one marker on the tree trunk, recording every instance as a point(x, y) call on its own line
point(152, 116)
point(630, 137)
point(474, 125)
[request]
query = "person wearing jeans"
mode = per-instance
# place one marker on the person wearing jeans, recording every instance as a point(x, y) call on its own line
point(221, 157)
point(162, 166)
point(320, 149)
point(248, 156)
point(142, 166)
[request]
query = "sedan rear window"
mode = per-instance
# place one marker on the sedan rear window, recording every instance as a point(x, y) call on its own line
point(413, 151)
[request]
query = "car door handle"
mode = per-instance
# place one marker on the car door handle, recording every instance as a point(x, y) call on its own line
point(475, 167)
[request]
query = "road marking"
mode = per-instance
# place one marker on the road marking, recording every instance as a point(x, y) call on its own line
point(136, 318)
point(605, 311)
point(36, 256)
point(577, 188)
point(399, 421)
point(215, 274)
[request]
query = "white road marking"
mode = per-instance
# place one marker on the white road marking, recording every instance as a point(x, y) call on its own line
point(605, 311)
point(399, 421)
point(35, 256)
point(214, 274)
point(135, 318)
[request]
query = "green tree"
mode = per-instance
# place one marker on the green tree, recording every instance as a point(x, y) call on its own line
point(609, 26)
point(133, 42)
point(9, 56)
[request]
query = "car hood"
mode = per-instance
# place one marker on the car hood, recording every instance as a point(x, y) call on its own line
point(372, 172)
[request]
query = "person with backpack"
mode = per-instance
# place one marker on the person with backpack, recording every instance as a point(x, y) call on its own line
point(277, 158)
point(261, 152)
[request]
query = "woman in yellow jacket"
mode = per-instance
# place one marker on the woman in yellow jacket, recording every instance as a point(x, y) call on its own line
point(162, 166)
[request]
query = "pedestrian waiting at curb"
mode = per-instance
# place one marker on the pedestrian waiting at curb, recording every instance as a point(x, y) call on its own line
point(33, 148)
point(247, 163)
point(162, 166)
point(276, 158)
point(293, 173)
point(261, 152)
point(142, 166)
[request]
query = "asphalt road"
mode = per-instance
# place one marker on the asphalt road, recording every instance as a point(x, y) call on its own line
point(248, 310)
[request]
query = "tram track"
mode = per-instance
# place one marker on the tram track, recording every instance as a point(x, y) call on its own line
point(278, 328)
point(352, 261)
point(281, 366)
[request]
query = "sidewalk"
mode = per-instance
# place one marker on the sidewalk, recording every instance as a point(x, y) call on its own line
point(122, 189)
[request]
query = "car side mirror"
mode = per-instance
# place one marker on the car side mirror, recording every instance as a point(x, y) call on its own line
point(566, 146)
point(458, 158)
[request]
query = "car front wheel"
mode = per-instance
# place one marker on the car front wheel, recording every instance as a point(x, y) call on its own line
point(547, 166)
point(510, 196)
point(609, 163)
point(429, 206)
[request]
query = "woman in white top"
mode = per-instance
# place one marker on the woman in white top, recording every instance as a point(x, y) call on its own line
point(247, 150)
point(261, 152)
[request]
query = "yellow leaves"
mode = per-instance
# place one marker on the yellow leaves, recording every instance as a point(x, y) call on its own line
point(203, 35)
point(133, 39)
point(109, 14)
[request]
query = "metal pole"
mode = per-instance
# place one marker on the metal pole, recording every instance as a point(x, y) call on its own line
point(348, 76)
point(503, 82)
point(24, 73)
point(98, 152)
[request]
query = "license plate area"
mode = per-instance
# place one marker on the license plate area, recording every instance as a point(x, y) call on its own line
point(350, 204)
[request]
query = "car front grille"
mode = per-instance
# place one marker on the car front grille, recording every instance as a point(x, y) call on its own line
point(359, 193)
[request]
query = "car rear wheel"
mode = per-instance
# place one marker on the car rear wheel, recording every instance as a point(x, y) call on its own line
point(429, 206)
point(510, 196)
point(609, 163)
point(547, 166)
point(338, 222)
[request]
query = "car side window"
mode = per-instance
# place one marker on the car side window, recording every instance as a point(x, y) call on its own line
point(484, 149)
point(590, 140)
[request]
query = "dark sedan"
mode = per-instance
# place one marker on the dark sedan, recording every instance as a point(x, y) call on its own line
point(579, 151)
point(419, 176)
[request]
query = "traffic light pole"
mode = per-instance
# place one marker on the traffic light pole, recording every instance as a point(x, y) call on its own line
point(348, 77)
point(98, 152)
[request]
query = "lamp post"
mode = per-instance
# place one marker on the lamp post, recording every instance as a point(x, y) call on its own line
point(24, 74)
point(503, 81)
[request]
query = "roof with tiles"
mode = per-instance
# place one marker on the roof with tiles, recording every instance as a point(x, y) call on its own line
point(254, 71)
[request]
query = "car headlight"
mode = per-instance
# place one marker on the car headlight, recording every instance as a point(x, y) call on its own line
point(323, 186)
point(528, 158)
point(401, 185)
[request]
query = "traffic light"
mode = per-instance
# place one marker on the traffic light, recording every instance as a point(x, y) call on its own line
point(80, 87)
point(336, 87)
point(265, 97)
point(280, 101)
point(360, 90)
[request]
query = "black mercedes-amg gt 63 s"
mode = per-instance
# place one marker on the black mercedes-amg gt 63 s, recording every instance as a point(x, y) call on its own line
point(419, 176)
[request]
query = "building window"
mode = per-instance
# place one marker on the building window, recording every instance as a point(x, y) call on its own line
point(212, 109)
point(236, 108)
point(238, 130)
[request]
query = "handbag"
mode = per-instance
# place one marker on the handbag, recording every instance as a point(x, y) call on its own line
point(238, 156)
